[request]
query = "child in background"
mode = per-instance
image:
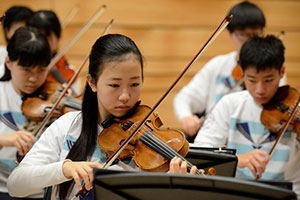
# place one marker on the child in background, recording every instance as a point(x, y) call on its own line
point(25, 72)
point(15, 17)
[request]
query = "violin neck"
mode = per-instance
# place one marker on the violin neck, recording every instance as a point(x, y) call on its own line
point(72, 103)
point(162, 148)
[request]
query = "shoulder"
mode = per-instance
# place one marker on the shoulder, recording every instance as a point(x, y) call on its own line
point(224, 57)
point(236, 98)
point(70, 116)
point(3, 49)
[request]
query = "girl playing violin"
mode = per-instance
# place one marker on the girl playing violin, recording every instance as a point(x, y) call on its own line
point(236, 119)
point(67, 151)
point(48, 23)
point(25, 71)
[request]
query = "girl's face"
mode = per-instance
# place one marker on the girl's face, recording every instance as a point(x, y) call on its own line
point(26, 79)
point(119, 86)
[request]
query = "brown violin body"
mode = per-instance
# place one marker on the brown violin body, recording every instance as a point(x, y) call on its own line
point(143, 155)
point(36, 106)
point(277, 112)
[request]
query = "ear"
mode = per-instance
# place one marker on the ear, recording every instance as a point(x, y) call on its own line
point(8, 62)
point(92, 83)
point(282, 71)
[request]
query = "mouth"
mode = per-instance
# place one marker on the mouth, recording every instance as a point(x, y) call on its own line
point(261, 99)
point(30, 88)
point(123, 107)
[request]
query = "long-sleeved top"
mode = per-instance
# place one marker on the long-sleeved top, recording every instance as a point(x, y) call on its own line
point(11, 120)
point(235, 122)
point(42, 165)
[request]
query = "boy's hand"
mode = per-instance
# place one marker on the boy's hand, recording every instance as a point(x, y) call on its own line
point(255, 160)
point(191, 125)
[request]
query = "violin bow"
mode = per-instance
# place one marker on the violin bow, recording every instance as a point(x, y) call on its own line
point(39, 130)
point(284, 128)
point(215, 34)
point(69, 16)
point(76, 37)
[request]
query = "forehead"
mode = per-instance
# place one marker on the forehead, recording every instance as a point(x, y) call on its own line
point(252, 71)
point(128, 65)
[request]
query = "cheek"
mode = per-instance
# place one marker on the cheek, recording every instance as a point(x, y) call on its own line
point(106, 97)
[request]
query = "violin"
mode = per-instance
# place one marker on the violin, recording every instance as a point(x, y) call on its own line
point(277, 111)
point(35, 106)
point(282, 113)
point(65, 73)
point(152, 148)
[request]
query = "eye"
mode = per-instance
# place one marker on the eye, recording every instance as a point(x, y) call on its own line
point(41, 70)
point(26, 69)
point(135, 84)
point(269, 80)
point(114, 85)
point(252, 81)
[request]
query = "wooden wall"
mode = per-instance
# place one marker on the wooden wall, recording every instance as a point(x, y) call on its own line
point(169, 33)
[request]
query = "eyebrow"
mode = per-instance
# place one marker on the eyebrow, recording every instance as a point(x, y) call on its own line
point(132, 78)
point(268, 76)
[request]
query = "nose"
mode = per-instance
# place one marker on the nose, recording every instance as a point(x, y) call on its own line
point(124, 96)
point(260, 88)
point(33, 77)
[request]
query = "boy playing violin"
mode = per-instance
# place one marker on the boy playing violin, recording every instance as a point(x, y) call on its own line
point(236, 119)
point(67, 151)
point(215, 79)
point(25, 72)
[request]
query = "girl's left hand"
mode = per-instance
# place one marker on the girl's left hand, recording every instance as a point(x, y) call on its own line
point(177, 166)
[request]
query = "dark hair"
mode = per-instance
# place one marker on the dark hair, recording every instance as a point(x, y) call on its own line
point(246, 14)
point(262, 53)
point(15, 14)
point(29, 47)
point(111, 47)
point(46, 21)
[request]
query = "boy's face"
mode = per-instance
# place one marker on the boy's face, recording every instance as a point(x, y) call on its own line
point(26, 80)
point(262, 85)
point(239, 37)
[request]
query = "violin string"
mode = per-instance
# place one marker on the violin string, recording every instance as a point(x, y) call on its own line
point(158, 145)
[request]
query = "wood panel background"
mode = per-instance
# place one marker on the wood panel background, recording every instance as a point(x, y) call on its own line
point(169, 33)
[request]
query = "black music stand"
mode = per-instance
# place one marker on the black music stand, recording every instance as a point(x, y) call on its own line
point(121, 185)
point(223, 160)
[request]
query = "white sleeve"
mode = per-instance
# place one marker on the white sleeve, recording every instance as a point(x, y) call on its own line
point(215, 129)
point(41, 167)
point(193, 97)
